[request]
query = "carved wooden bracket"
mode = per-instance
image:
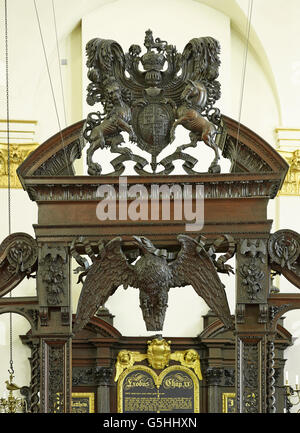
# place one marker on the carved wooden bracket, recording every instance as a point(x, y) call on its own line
point(18, 259)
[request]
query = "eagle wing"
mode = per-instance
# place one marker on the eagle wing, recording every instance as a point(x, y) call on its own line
point(105, 275)
point(194, 267)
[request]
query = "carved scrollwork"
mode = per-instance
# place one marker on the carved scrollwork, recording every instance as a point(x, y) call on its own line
point(284, 253)
point(146, 104)
point(214, 376)
point(250, 378)
point(56, 387)
point(284, 248)
point(18, 258)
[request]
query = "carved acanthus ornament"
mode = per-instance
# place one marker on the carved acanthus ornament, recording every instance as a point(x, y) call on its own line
point(18, 259)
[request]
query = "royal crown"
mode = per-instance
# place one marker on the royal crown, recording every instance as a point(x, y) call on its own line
point(152, 60)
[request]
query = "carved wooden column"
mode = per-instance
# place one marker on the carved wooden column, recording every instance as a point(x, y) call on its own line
point(213, 377)
point(103, 377)
point(34, 345)
point(53, 284)
point(252, 285)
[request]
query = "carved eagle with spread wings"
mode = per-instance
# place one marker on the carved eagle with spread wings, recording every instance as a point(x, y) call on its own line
point(153, 275)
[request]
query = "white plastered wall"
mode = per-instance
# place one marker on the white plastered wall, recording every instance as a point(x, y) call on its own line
point(176, 21)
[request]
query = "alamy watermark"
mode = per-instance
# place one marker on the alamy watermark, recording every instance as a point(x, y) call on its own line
point(158, 202)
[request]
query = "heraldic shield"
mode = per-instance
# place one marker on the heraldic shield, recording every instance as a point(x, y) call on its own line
point(152, 120)
point(149, 104)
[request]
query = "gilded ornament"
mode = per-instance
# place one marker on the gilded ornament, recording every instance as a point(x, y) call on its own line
point(159, 353)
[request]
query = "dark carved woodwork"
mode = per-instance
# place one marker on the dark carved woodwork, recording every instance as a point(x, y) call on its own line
point(34, 387)
point(55, 375)
point(103, 375)
point(53, 276)
point(250, 399)
point(252, 274)
point(271, 400)
point(284, 251)
point(213, 376)
point(148, 107)
point(153, 276)
point(18, 259)
point(250, 153)
point(229, 377)
point(55, 378)
point(254, 148)
point(83, 376)
point(145, 104)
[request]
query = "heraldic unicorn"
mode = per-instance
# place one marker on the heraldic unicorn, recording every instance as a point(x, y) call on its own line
point(173, 89)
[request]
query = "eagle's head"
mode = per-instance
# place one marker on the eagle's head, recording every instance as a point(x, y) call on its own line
point(147, 246)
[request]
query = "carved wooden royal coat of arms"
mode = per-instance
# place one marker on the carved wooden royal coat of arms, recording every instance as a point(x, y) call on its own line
point(147, 96)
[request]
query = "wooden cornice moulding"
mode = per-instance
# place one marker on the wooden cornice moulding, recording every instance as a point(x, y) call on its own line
point(229, 186)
